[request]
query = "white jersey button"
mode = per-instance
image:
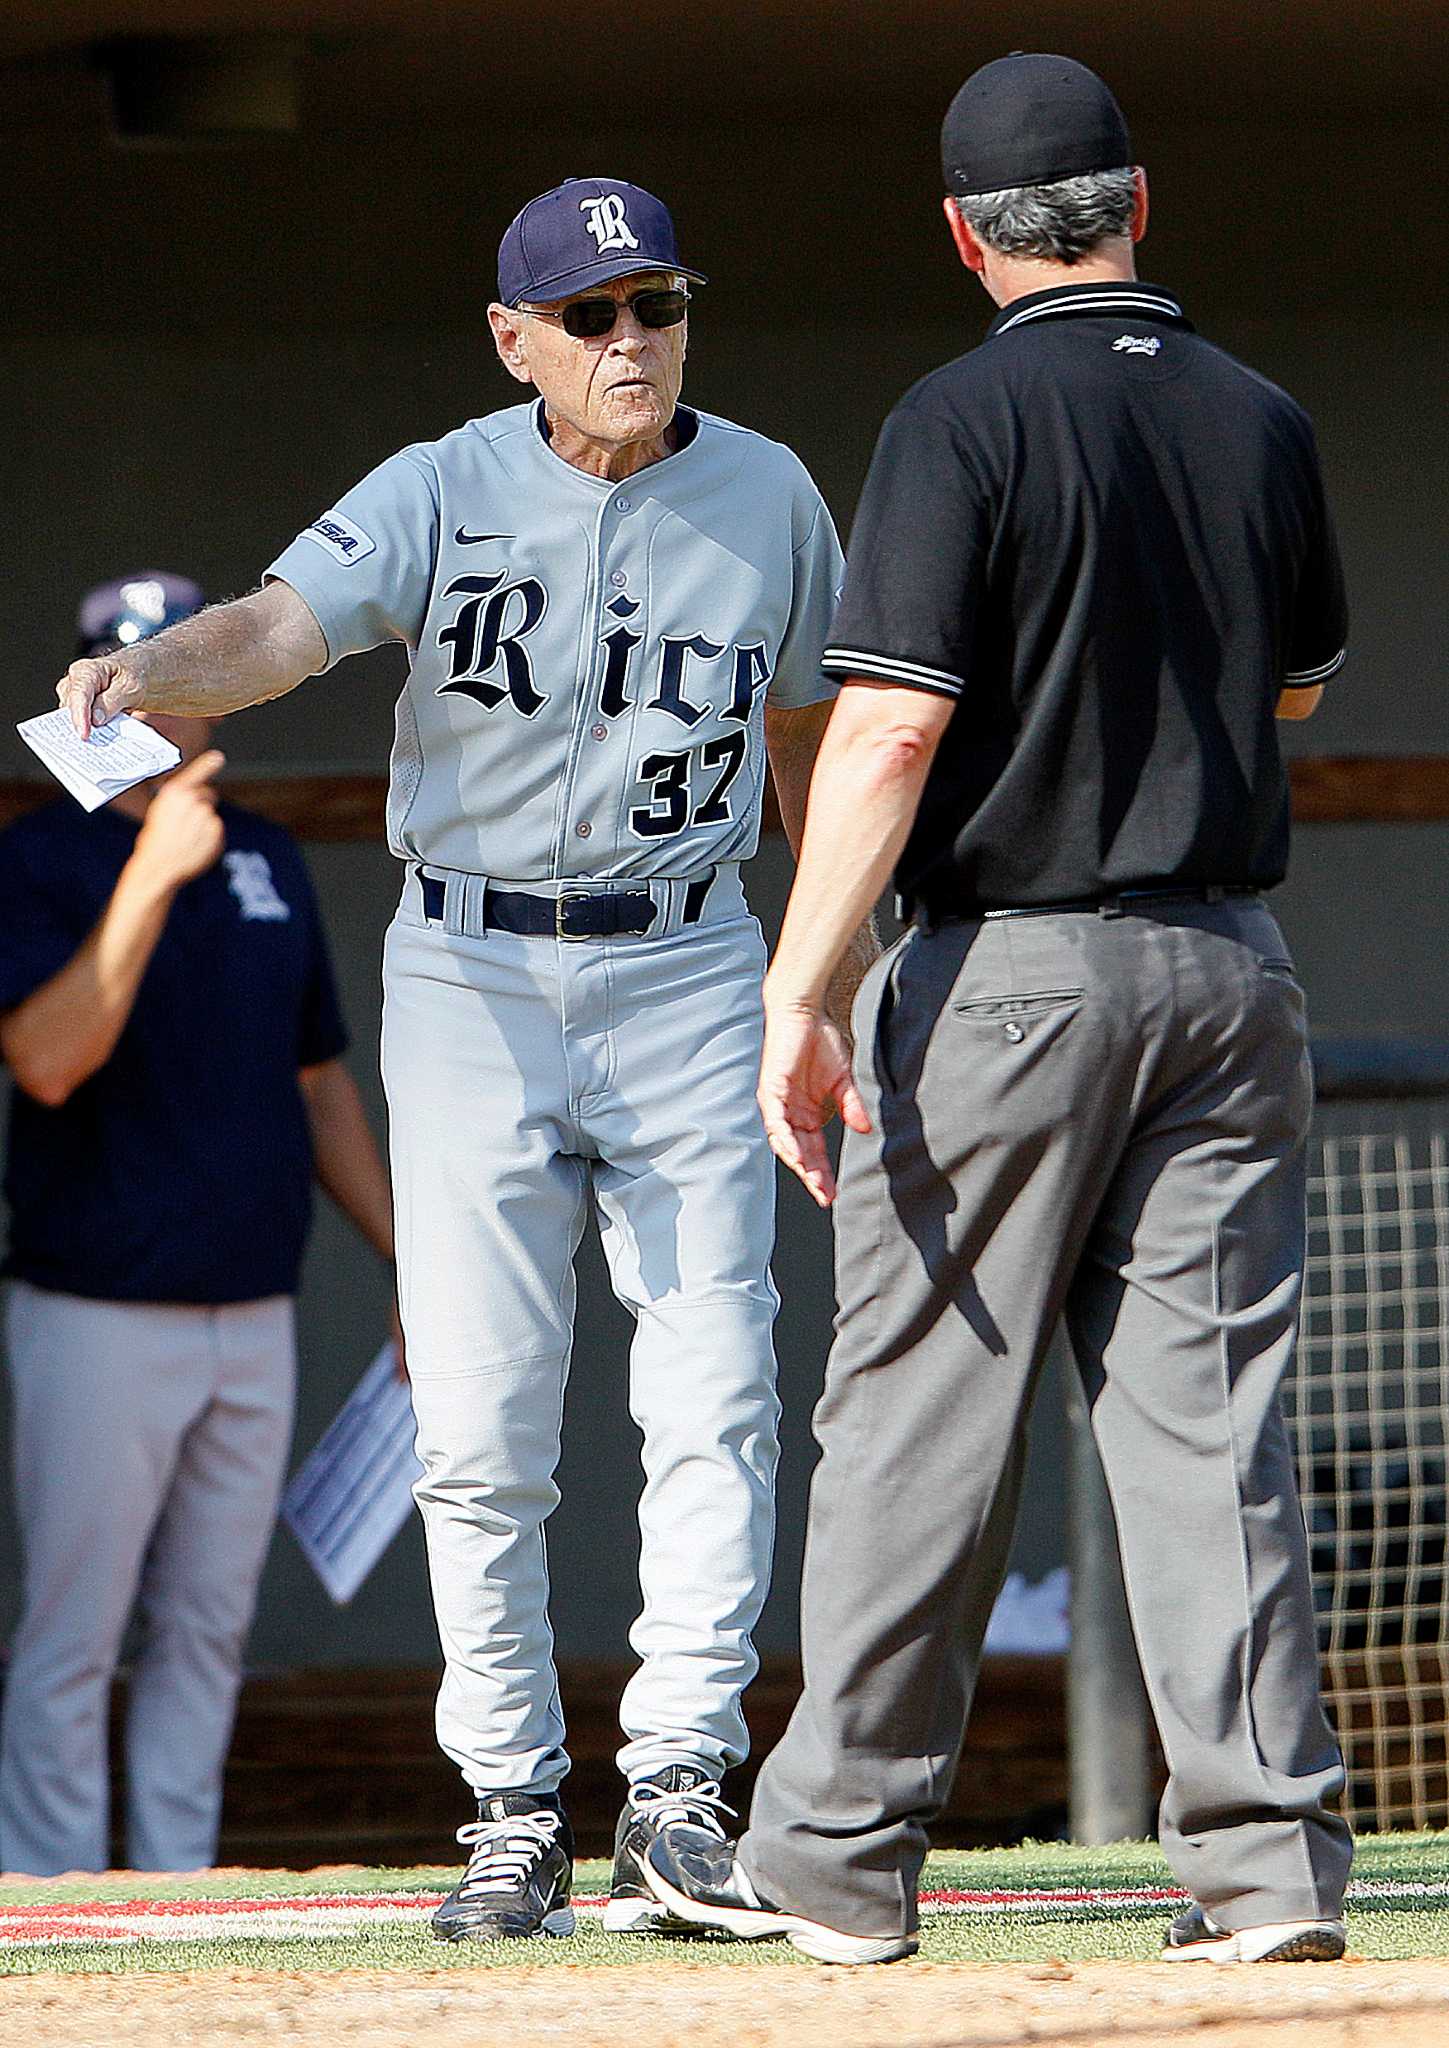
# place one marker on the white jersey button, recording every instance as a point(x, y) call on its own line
point(618, 579)
point(600, 732)
point(621, 504)
point(584, 829)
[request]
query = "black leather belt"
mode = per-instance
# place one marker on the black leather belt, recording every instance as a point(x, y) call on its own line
point(1120, 905)
point(573, 913)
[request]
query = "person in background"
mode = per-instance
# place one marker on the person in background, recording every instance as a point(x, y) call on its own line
point(167, 1010)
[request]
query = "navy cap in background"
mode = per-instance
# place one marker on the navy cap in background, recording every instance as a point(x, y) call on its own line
point(132, 608)
point(1031, 119)
point(585, 232)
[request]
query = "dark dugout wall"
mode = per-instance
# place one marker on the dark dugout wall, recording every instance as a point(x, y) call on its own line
point(201, 347)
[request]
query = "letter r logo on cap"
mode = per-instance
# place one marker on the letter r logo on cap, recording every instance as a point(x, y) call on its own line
point(606, 222)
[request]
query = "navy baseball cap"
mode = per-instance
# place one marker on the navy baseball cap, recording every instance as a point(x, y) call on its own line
point(584, 232)
point(1030, 119)
point(132, 608)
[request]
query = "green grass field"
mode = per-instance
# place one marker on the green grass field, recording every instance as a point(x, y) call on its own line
point(1399, 1908)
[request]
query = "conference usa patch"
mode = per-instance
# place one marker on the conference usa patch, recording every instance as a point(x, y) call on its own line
point(341, 537)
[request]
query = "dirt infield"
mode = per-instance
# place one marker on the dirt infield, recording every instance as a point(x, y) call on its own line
point(914, 2005)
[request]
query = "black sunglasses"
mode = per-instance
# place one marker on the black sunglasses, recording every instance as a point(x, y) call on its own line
point(591, 319)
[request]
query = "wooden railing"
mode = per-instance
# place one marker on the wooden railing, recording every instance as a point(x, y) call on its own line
point(344, 1767)
point(1328, 789)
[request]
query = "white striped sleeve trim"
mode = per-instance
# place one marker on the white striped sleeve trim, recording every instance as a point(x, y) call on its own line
point(1305, 678)
point(885, 668)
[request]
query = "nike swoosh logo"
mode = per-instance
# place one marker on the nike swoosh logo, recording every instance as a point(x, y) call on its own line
point(466, 540)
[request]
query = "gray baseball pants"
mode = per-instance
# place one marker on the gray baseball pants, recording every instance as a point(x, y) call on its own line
point(1102, 1117)
point(149, 1442)
point(525, 1077)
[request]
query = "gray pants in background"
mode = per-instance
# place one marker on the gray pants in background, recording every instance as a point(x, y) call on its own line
point(1102, 1117)
point(149, 1444)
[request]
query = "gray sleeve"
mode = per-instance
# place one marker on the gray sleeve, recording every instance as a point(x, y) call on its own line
point(365, 569)
point(818, 569)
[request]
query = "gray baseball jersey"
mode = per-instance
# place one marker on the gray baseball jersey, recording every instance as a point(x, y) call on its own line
point(589, 660)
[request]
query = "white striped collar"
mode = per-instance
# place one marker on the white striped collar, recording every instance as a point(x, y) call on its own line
point(1100, 299)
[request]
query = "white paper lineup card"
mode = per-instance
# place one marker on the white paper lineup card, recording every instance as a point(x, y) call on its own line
point(353, 1492)
point(116, 757)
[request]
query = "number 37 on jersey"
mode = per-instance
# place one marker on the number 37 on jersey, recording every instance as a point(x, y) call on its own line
point(684, 679)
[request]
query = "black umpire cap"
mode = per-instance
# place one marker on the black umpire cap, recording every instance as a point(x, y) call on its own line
point(1030, 119)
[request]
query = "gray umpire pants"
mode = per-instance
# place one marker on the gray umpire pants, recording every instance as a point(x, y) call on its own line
point(1102, 1117)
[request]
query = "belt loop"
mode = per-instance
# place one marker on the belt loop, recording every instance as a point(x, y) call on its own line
point(1214, 894)
point(455, 905)
point(664, 895)
point(474, 906)
point(1111, 906)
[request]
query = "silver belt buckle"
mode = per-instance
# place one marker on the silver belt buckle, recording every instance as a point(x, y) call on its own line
point(560, 913)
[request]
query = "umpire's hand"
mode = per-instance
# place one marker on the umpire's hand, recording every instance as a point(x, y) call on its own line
point(93, 689)
point(804, 1078)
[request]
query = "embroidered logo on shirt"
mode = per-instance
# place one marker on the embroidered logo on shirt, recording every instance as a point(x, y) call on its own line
point(341, 538)
point(1137, 344)
point(606, 223)
point(249, 877)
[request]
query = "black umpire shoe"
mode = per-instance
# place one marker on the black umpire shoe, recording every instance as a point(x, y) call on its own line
point(695, 1875)
point(1196, 1938)
point(519, 1876)
point(680, 1794)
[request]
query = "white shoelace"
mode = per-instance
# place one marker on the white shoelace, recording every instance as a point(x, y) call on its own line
point(503, 1854)
point(701, 1806)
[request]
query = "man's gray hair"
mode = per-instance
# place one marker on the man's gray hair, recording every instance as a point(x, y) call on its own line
point(1061, 222)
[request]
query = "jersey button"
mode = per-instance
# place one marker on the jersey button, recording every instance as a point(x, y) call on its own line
point(584, 829)
point(621, 504)
point(600, 732)
point(618, 579)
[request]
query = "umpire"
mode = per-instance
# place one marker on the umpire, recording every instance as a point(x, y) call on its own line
point(1091, 562)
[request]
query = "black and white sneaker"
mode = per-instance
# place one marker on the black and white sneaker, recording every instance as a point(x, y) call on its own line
point(696, 1876)
point(678, 1794)
point(519, 1876)
point(1195, 1937)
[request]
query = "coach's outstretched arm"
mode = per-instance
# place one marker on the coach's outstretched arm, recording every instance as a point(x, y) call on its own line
point(217, 661)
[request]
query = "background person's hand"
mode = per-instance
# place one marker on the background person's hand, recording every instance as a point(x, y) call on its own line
point(182, 835)
point(804, 1078)
point(93, 689)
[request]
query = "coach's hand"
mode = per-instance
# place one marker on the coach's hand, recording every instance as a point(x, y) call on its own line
point(183, 835)
point(804, 1078)
point(94, 689)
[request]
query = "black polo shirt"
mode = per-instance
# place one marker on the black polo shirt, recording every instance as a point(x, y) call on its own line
point(1108, 541)
point(181, 1171)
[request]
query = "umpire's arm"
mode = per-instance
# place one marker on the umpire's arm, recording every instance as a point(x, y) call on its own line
point(793, 739)
point(872, 768)
point(1299, 703)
